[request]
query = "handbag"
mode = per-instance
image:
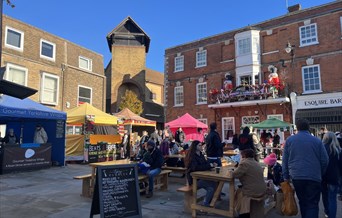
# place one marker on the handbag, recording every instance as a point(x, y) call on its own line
point(279, 198)
point(289, 206)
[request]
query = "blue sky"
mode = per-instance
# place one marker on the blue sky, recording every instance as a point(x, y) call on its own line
point(168, 23)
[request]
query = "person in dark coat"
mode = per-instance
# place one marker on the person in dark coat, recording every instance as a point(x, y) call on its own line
point(214, 146)
point(246, 140)
point(156, 162)
point(10, 138)
point(330, 181)
point(235, 141)
point(195, 161)
point(180, 136)
point(274, 169)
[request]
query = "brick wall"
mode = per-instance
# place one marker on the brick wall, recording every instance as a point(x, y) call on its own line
point(65, 66)
point(274, 35)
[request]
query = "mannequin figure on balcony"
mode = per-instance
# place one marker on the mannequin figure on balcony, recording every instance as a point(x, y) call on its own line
point(228, 82)
point(273, 80)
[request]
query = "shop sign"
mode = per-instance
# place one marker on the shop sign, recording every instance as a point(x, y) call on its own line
point(320, 102)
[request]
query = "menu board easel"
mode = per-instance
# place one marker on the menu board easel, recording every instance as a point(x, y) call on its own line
point(116, 192)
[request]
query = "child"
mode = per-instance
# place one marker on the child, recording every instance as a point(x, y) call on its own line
point(274, 172)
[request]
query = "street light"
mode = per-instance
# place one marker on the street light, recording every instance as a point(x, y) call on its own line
point(290, 49)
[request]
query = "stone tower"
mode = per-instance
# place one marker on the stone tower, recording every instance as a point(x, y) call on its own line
point(129, 45)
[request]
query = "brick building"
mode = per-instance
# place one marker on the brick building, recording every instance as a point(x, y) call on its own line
point(304, 47)
point(127, 70)
point(65, 74)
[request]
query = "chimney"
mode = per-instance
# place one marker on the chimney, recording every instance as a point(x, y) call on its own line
point(294, 8)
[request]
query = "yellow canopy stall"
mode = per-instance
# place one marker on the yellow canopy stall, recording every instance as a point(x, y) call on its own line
point(75, 144)
point(77, 115)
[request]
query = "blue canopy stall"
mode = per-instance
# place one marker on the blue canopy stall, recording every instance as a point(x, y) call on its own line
point(23, 116)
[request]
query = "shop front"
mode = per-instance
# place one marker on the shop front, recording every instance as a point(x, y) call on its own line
point(321, 110)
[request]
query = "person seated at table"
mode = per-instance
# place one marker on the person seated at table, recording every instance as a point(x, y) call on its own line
point(253, 189)
point(10, 138)
point(143, 166)
point(156, 162)
point(173, 150)
point(195, 161)
point(164, 147)
point(274, 169)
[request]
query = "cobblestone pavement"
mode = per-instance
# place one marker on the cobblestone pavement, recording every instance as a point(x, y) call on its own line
point(53, 193)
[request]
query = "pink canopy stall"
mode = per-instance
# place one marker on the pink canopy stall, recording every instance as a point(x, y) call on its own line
point(193, 128)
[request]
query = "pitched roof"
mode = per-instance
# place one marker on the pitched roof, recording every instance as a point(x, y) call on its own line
point(137, 31)
point(154, 76)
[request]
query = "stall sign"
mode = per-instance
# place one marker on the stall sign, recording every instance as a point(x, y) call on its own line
point(17, 158)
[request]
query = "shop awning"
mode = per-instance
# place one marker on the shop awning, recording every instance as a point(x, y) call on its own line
point(321, 116)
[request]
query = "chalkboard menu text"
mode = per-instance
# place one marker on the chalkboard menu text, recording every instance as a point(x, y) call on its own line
point(116, 192)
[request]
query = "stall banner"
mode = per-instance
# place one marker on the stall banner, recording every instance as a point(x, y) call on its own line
point(101, 152)
point(18, 158)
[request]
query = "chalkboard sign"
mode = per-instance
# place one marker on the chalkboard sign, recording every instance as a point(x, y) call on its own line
point(116, 192)
point(60, 128)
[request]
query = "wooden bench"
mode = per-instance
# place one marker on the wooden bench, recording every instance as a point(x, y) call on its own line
point(161, 181)
point(85, 184)
point(187, 190)
point(175, 169)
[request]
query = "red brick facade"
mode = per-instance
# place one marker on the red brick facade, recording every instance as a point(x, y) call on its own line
point(273, 36)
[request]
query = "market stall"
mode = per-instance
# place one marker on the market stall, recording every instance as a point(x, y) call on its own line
point(272, 123)
point(98, 135)
point(193, 128)
point(135, 123)
point(22, 116)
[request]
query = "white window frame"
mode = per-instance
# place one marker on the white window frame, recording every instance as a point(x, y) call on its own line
point(44, 75)
point(230, 120)
point(201, 58)
point(21, 48)
point(252, 120)
point(8, 66)
point(319, 78)
point(244, 46)
point(179, 63)
point(78, 93)
point(341, 26)
point(90, 63)
point(198, 98)
point(302, 44)
point(280, 133)
point(53, 58)
point(178, 89)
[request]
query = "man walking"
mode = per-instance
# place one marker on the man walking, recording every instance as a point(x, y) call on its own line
point(305, 161)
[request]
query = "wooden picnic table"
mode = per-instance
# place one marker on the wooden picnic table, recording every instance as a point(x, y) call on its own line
point(230, 153)
point(175, 156)
point(221, 178)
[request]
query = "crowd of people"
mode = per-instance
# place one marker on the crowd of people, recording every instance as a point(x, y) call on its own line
point(313, 165)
